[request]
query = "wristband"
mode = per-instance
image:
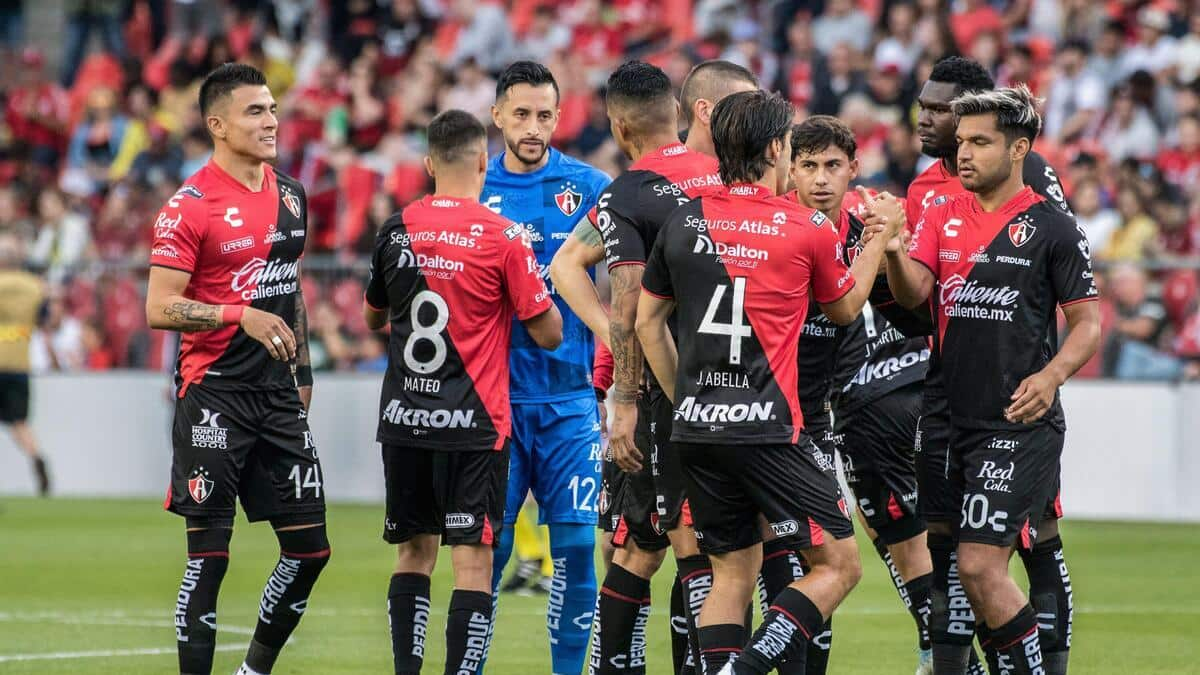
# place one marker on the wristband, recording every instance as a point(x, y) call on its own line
point(231, 315)
point(304, 376)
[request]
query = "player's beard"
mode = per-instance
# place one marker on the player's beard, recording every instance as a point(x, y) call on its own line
point(981, 183)
point(516, 148)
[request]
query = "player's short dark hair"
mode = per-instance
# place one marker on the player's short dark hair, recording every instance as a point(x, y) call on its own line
point(743, 126)
point(642, 94)
point(819, 132)
point(1015, 109)
point(710, 80)
point(453, 135)
point(525, 72)
point(965, 74)
point(224, 79)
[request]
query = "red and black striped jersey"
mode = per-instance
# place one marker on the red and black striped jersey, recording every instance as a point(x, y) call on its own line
point(633, 208)
point(739, 265)
point(242, 247)
point(1000, 278)
point(452, 274)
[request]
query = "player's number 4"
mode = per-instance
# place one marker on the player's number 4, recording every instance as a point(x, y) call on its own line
point(737, 328)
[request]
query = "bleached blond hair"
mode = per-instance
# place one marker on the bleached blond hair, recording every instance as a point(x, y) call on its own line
point(1015, 108)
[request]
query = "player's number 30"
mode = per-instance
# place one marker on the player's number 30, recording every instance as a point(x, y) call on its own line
point(431, 332)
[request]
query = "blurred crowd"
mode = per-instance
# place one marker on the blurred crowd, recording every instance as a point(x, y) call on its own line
point(99, 129)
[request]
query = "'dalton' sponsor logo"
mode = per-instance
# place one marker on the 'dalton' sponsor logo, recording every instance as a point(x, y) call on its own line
point(430, 265)
point(706, 245)
point(260, 278)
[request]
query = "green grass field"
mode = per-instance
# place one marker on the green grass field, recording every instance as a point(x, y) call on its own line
point(87, 586)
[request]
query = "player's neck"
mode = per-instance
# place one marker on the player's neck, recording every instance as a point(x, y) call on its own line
point(653, 143)
point(248, 172)
point(457, 189)
point(950, 164)
point(993, 200)
point(514, 164)
point(700, 140)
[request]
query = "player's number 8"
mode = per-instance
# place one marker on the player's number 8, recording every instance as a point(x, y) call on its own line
point(431, 332)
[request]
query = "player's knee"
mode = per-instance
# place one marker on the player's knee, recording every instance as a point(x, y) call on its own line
point(845, 562)
point(208, 538)
point(978, 565)
point(639, 561)
point(310, 545)
point(1047, 530)
point(417, 555)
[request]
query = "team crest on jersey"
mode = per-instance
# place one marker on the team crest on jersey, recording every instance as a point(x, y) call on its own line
point(199, 486)
point(1020, 232)
point(568, 200)
point(290, 200)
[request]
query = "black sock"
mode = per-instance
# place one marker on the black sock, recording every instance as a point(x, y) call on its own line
point(816, 658)
point(695, 575)
point(1017, 646)
point(951, 621)
point(1050, 594)
point(408, 618)
point(467, 629)
point(681, 652)
point(619, 629)
point(196, 603)
point(914, 594)
point(989, 648)
point(303, 554)
point(792, 621)
point(719, 644)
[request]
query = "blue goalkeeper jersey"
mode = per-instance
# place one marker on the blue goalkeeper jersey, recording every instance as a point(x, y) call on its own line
point(548, 203)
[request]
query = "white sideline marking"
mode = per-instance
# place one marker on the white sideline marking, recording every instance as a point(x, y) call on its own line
point(103, 653)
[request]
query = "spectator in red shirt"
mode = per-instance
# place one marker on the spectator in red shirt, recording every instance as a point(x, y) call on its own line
point(977, 17)
point(1180, 165)
point(38, 110)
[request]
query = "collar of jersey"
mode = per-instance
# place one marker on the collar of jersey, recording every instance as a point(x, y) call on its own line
point(224, 177)
point(749, 190)
point(661, 152)
point(1019, 202)
point(501, 171)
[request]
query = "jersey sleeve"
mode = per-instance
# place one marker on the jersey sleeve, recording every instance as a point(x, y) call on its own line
point(831, 278)
point(376, 294)
point(602, 368)
point(523, 283)
point(1040, 176)
point(178, 233)
point(623, 243)
point(1071, 265)
point(924, 245)
point(656, 280)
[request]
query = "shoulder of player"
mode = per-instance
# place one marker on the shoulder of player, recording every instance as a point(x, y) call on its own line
point(1045, 214)
point(284, 179)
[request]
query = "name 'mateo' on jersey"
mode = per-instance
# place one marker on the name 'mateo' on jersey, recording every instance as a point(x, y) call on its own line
point(242, 247)
point(728, 259)
point(454, 275)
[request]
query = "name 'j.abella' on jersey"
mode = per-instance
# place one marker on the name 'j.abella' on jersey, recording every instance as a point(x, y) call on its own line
point(548, 203)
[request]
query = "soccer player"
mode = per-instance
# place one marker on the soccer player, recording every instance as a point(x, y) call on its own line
point(650, 504)
point(998, 260)
point(22, 295)
point(451, 276)
point(225, 271)
point(940, 501)
point(876, 376)
point(556, 425)
point(736, 267)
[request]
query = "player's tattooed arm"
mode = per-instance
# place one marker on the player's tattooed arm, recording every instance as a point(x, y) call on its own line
point(189, 316)
point(569, 273)
point(626, 284)
point(303, 364)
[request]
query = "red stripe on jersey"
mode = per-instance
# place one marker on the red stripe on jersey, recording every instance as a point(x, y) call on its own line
point(686, 514)
point(487, 537)
point(894, 508)
point(694, 173)
point(656, 295)
point(815, 533)
point(622, 532)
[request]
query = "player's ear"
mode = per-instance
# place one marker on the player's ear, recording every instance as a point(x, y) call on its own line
point(216, 127)
point(1020, 148)
point(703, 111)
point(496, 115)
point(428, 162)
point(854, 168)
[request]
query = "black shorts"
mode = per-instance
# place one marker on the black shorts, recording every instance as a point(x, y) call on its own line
point(255, 445)
point(14, 397)
point(876, 442)
point(939, 471)
point(670, 494)
point(637, 501)
point(612, 480)
point(458, 494)
point(792, 486)
point(1009, 478)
